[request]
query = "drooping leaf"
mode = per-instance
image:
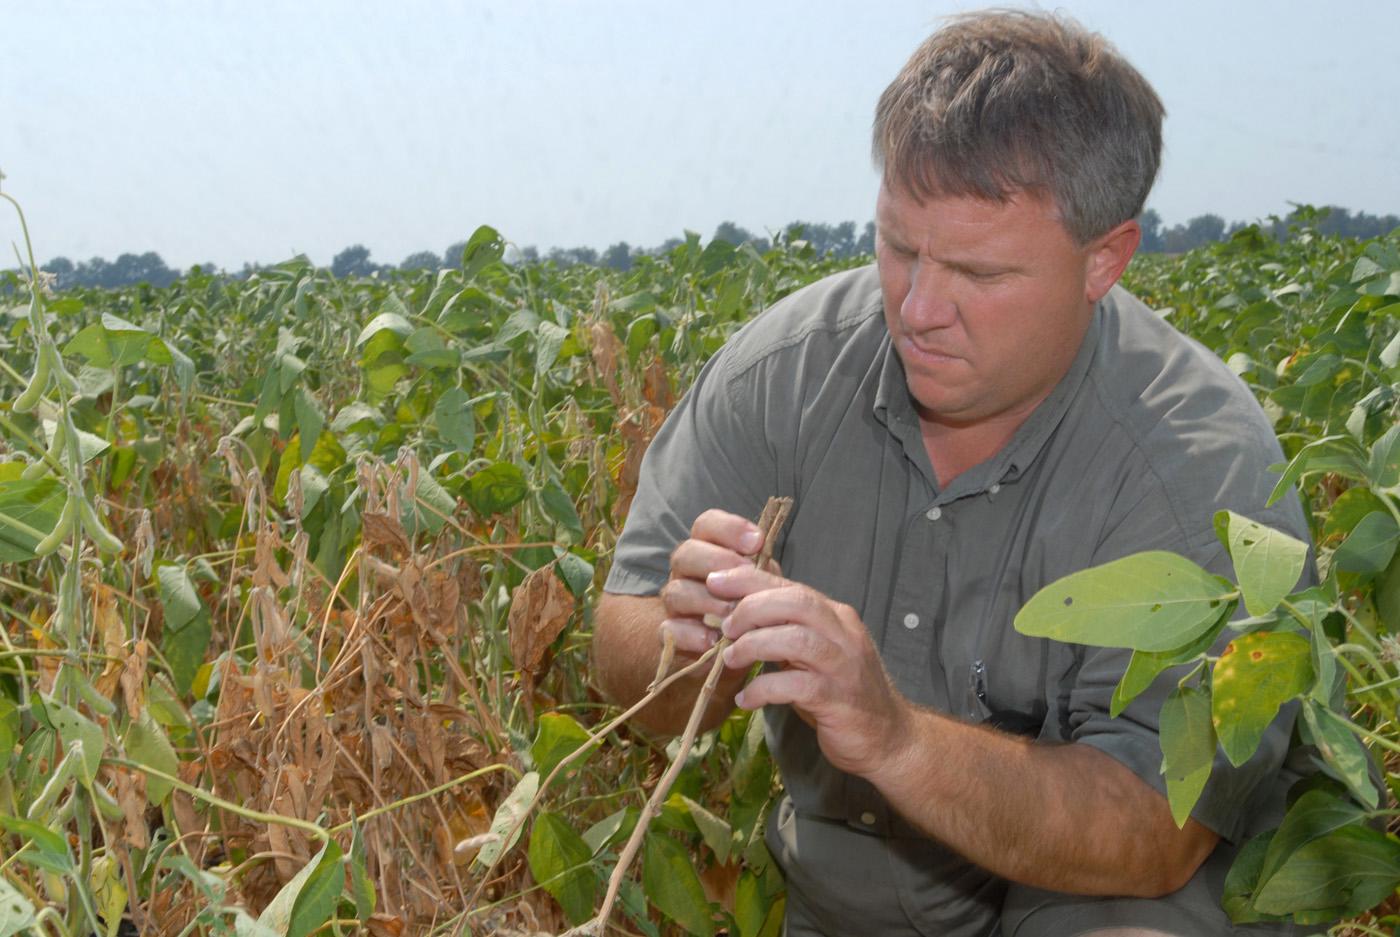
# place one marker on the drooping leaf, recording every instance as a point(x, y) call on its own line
point(1187, 738)
point(560, 862)
point(74, 728)
point(559, 735)
point(540, 608)
point(1383, 467)
point(16, 913)
point(670, 882)
point(146, 744)
point(1268, 562)
point(41, 847)
point(715, 831)
point(507, 815)
point(1255, 675)
point(1153, 601)
point(496, 488)
point(577, 572)
point(1242, 881)
point(454, 419)
point(185, 648)
point(1339, 454)
point(392, 321)
point(560, 507)
point(1144, 666)
point(1343, 873)
point(361, 887)
point(484, 247)
point(1342, 751)
point(178, 597)
point(28, 511)
point(1371, 545)
point(610, 829)
point(549, 339)
point(308, 900)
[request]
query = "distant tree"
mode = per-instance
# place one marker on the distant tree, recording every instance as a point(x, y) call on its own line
point(1203, 229)
point(733, 233)
point(567, 257)
point(353, 262)
point(452, 257)
point(618, 257)
point(423, 260)
point(130, 269)
point(1151, 223)
point(865, 244)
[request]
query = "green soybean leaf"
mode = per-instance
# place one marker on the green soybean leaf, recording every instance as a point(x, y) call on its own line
point(1144, 666)
point(507, 814)
point(9, 731)
point(560, 507)
point(559, 736)
point(1255, 675)
point(1339, 454)
point(1267, 562)
point(716, 833)
point(309, 899)
point(1383, 467)
point(314, 486)
point(429, 509)
point(361, 888)
point(560, 862)
point(454, 419)
point(1346, 872)
point(1153, 601)
point(484, 247)
point(549, 339)
point(1188, 748)
point(310, 420)
point(576, 571)
point(392, 321)
point(28, 511)
point(74, 728)
point(496, 488)
point(1242, 881)
point(16, 913)
point(40, 846)
point(1342, 751)
point(146, 744)
point(184, 649)
point(670, 882)
point(178, 598)
point(610, 829)
point(1370, 546)
point(1348, 510)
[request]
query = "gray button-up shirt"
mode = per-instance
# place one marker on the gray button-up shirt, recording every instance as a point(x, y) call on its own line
point(1145, 437)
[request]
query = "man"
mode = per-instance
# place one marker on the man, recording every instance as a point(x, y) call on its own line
point(978, 415)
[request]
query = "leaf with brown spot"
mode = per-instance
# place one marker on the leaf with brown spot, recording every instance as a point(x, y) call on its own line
point(540, 607)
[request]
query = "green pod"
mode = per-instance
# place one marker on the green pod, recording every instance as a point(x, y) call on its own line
point(62, 529)
point(106, 541)
point(51, 455)
point(53, 787)
point(99, 704)
point(38, 381)
point(106, 804)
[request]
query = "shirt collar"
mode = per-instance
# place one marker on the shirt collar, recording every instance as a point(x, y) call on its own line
point(894, 407)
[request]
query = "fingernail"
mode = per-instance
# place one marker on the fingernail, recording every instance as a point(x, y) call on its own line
point(739, 700)
point(751, 541)
point(717, 578)
point(724, 625)
point(729, 656)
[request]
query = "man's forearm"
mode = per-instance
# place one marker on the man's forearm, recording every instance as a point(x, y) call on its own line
point(1066, 818)
point(626, 652)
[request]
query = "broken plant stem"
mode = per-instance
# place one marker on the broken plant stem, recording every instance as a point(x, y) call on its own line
point(775, 514)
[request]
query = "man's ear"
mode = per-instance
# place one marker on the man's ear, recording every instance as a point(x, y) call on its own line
point(1108, 256)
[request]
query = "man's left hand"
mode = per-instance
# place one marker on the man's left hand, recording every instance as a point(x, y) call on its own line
point(830, 670)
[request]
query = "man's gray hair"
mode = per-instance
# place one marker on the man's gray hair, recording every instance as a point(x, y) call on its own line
point(1006, 101)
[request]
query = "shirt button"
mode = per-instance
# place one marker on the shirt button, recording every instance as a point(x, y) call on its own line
point(934, 513)
point(911, 621)
point(995, 488)
point(867, 818)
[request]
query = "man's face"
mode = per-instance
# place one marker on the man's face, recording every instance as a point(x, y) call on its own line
point(986, 303)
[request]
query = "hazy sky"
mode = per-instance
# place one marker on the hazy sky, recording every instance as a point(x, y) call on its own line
point(250, 131)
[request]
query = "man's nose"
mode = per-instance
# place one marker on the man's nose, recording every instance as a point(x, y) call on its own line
point(930, 302)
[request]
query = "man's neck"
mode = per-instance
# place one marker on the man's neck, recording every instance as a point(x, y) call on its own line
point(953, 448)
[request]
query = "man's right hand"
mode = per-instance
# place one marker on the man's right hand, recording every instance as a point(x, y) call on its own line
point(718, 541)
point(629, 630)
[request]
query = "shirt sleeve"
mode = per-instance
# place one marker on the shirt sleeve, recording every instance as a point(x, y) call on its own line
point(712, 451)
point(1226, 804)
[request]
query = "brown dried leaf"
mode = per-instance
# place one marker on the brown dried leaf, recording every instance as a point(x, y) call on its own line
point(656, 385)
point(381, 530)
point(109, 625)
point(133, 679)
point(385, 925)
point(540, 607)
point(606, 348)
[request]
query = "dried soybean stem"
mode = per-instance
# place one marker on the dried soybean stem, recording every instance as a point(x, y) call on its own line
point(774, 515)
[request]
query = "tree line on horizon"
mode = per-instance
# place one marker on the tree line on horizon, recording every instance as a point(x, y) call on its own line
point(842, 239)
